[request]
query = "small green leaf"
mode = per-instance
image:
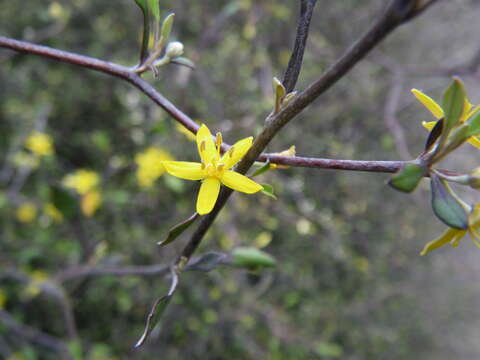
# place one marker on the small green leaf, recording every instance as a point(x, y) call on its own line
point(178, 229)
point(474, 127)
point(445, 206)
point(408, 178)
point(146, 29)
point(167, 26)
point(280, 92)
point(251, 258)
point(208, 262)
point(155, 8)
point(453, 102)
point(263, 169)
point(268, 190)
point(158, 309)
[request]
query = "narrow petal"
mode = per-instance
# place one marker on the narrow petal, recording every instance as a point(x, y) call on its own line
point(240, 182)
point(207, 152)
point(445, 238)
point(428, 125)
point(240, 148)
point(473, 111)
point(207, 197)
point(429, 103)
point(475, 141)
point(184, 169)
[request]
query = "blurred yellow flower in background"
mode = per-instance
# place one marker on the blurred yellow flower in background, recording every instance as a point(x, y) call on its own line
point(52, 211)
point(40, 144)
point(26, 212)
point(149, 165)
point(85, 182)
point(82, 181)
point(90, 202)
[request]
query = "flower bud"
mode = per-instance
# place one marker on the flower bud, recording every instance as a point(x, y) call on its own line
point(174, 49)
point(474, 179)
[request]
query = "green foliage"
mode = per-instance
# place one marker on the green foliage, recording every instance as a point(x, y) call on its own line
point(407, 179)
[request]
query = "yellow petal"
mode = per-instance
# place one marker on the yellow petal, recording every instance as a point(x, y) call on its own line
point(207, 152)
point(207, 197)
point(240, 182)
point(90, 202)
point(236, 152)
point(184, 169)
point(429, 103)
point(428, 125)
point(474, 141)
point(447, 237)
point(473, 112)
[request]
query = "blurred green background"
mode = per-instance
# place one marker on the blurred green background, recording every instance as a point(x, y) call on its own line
point(349, 282)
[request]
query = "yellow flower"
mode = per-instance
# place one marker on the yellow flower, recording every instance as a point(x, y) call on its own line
point(90, 202)
point(214, 170)
point(40, 144)
point(82, 181)
point(52, 211)
point(437, 112)
point(453, 236)
point(26, 212)
point(150, 166)
point(289, 152)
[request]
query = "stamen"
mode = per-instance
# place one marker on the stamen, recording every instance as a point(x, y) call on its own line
point(219, 141)
point(203, 165)
point(230, 152)
point(220, 167)
point(203, 146)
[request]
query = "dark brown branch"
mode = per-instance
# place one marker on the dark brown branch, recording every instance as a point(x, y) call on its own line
point(396, 13)
point(295, 63)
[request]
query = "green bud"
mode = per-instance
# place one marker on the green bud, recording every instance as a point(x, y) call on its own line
point(251, 258)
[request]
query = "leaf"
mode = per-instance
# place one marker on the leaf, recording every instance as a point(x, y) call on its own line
point(280, 92)
point(158, 309)
point(208, 262)
point(65, 202)
point(183, 61)
point(251, 258)
point(146, 29)
point(407, 178)
point(178, 229)
point(268, 190)
point(445, 206)
point(434, 134)
point(474, 127)
point(263, 169)
point(155, 8)
point(167, 26)
point(453, 102)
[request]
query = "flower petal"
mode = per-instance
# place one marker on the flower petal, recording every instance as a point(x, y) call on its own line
point(208, 151)
point(428, 125)
point(240, 148)
point(207, 197)
point(429, 103)
point(475, 141)
point(447, 237)
point(473, 111)
point(240, 182)
point(184, 169)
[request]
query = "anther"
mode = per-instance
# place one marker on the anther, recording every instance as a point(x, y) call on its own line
point(203, 146)
point(219, 141)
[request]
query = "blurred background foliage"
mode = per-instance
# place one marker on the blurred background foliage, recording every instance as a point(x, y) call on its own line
point(349, 283)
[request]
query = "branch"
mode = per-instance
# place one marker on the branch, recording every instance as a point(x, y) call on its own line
point(396, 13)
point(295, 63)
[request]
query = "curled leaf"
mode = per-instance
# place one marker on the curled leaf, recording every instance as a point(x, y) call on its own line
point(178, 229)
point(446, 206)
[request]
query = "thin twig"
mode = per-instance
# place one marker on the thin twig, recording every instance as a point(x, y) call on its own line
point(295, 63)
